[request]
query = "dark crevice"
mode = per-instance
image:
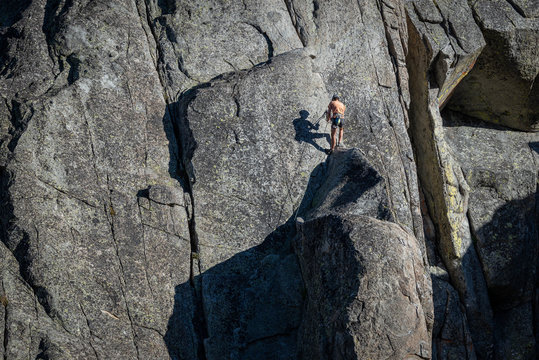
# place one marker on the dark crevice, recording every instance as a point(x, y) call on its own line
point(316, 8)
point(517, 8)
point(20, 115)
point(185, 174)
point(158, 49)
point(295, 23)
point(474, 236)
point(74, 68)
point(267, 38)
point(235, 96)
point(11, 11)
point(42, 355)
point(167, 6)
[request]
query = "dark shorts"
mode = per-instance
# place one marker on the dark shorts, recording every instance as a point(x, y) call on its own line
point(337, 122)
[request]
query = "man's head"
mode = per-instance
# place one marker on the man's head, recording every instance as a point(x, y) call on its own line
point(335, 97)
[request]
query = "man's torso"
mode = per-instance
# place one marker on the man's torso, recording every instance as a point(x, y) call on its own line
point(336, 107)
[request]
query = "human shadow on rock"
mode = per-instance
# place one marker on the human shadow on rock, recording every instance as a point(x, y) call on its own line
point(306, 131)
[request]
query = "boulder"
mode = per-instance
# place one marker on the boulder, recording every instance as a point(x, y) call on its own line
point(452, 39)
point(364, 280)
point(502, 89)
point(367, 291)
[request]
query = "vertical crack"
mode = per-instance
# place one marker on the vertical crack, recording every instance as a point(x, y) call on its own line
point(269, 43)
point(186, 176)
point(517, 8)
point(5, 305)
point(159, 51)
point(295, 21)
point(110, 213)
point(90, 330)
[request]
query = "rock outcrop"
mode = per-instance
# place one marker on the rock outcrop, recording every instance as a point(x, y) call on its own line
point(501, 171)
point(502, 89)
point(457, 184)
point(368, 292)
point(165, 191)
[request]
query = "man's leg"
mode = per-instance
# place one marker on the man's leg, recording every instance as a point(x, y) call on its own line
point(333, 130)
point(341, 131)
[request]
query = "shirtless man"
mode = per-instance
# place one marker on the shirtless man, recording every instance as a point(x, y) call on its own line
point(335, 113)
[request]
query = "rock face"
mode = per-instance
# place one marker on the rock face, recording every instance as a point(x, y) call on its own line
point(501, 171)
point(477, 178)
point(156, 155)
point(510, 61)
point(368, 294)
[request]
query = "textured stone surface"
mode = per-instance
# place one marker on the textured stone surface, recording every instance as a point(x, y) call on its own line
point(375, 270)
point(248, 173)
point(85, 138)
point(451, 335)
point(367, 291)
point(501, 171)
point(447, 193)
point(452, 38)
point(155, 154)
point(479, 181)
point(510, 61)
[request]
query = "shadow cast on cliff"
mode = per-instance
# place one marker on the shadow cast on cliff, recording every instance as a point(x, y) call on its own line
point(534, 145)
point(512, 232)
point(251, 305)
point(304, 130)
point(247, 307)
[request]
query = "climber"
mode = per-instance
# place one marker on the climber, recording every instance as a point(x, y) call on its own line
point(336, 114)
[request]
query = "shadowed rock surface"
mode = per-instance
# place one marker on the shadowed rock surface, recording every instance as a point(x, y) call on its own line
point(510, 61)
point(368, 293)
point(153, 167)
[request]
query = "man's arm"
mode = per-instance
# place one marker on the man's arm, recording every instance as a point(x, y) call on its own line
point(328, 113)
